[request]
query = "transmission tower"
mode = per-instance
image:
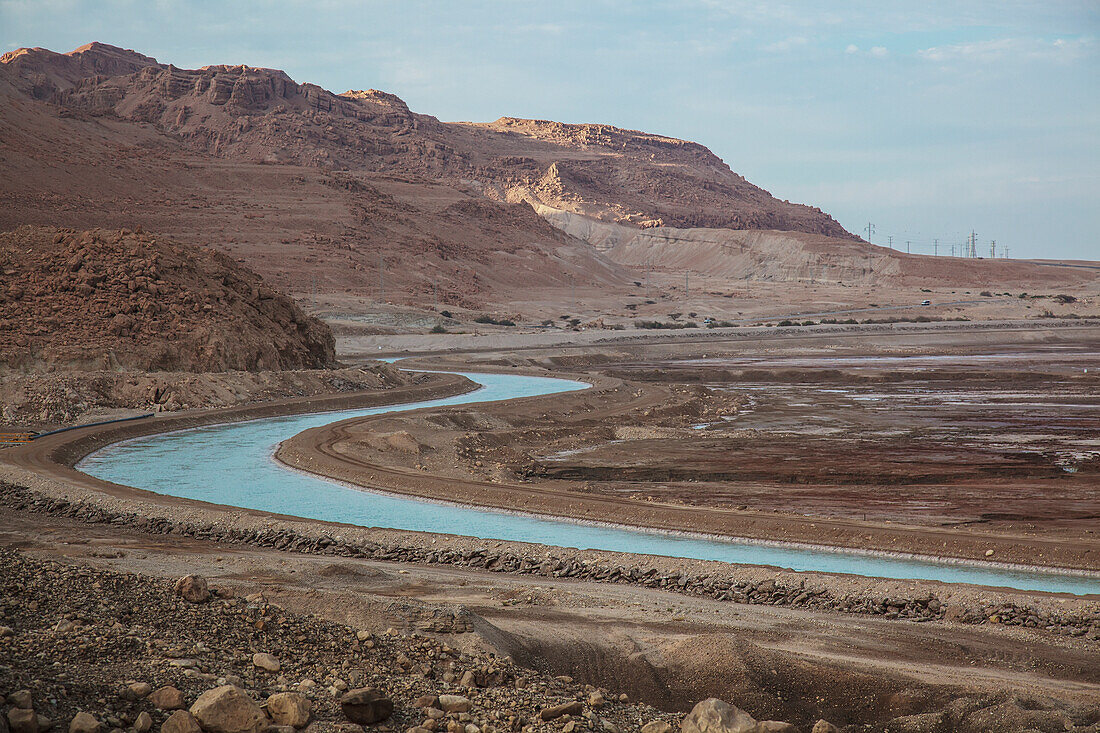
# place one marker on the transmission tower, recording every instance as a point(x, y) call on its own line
point(870, 229)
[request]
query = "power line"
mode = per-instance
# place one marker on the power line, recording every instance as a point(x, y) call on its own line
point(870, 229)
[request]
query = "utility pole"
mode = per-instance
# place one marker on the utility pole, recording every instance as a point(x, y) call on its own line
point(870, 229)
point(1005, 255)
point(936, 247)
point(890, 240)
point(907, 246)
point(993, 249)
point(973, 244)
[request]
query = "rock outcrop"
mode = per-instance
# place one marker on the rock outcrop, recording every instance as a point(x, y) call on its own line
point(244, 112)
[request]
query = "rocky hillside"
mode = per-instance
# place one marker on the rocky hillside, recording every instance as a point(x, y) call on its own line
point(124, 299)
point(254, 114)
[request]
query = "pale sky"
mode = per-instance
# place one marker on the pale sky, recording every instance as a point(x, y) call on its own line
point(926, 118)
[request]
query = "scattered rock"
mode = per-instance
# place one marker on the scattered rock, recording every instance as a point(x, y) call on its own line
point(139, 690)
point(824, 726)
point(167, 698)
point(266, 662)
point(143, 723)
point(289, 708)
point(366, 705)
point(84, 723)
point(228, 709)
point(21, 699)
point(715, 716)
point(180, 721)
point(193, 588)
point(657, 726)
point(22, 720)
point(454, 703)
point(569, 708)
point(596, 699)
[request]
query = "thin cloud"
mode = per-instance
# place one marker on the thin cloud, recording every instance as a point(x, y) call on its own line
point(1001, 49)
point(787, 44)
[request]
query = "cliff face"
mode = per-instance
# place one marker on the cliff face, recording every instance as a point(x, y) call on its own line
point(108, 299)
point(261, 115)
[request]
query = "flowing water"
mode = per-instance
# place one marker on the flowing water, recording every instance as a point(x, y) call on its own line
point(232, 464)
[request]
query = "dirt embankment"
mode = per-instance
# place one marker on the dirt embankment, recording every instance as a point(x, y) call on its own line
point(43, 401)
point(124, 299)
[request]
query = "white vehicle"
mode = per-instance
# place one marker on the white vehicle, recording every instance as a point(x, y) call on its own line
point(926, 302)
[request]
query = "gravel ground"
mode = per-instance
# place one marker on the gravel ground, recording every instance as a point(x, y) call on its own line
point(76, 637)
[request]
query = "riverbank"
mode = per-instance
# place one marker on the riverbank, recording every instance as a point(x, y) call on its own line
point(339, 451)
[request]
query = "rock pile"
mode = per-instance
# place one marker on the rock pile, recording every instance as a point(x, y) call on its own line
point(105, 299)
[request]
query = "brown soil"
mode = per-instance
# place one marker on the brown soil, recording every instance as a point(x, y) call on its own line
point(123, 299)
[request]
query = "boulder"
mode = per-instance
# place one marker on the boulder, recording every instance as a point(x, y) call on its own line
point(22, 720)
point(266, 662)
point(84, 723)
point(454, 704)
point(228, 709)
point(824, 726)
point(167, 698)
point(715, 716)
point(193, 588)
point(180, 721)
point(366, 705)
point(289, 708)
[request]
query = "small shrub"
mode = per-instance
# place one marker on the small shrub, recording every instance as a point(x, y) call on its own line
point(438, 328)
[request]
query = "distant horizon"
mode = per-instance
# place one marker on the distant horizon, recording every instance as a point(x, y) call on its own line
point(983, 118)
